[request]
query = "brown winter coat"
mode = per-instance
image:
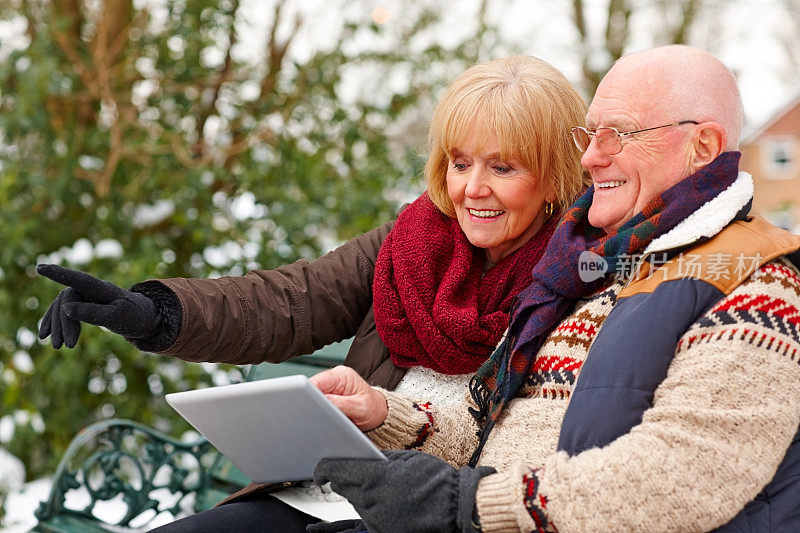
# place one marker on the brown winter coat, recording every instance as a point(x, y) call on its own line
point(274, 315)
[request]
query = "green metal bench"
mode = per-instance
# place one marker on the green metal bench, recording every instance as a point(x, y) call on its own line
point(120, 464)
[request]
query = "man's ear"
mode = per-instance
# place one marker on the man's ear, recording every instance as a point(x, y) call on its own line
point(709, 141)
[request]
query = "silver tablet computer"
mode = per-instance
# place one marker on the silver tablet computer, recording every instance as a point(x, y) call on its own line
point(274, 429)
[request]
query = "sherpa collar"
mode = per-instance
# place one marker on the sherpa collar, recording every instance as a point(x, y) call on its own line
point(710, 219)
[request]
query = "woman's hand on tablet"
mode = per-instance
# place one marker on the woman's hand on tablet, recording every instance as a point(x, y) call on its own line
point(348, 391)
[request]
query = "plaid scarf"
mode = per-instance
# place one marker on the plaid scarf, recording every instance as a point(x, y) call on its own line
point(554, 289)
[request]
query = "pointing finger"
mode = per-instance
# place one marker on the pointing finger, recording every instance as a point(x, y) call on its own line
point(89, 286)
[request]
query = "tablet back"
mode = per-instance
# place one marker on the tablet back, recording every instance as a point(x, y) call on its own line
point(275, 429)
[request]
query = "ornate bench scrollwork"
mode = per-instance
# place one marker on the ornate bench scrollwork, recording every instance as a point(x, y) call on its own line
point(120, 464)
point(122, 460)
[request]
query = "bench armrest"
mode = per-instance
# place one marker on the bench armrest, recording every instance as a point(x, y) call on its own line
point(116, 459)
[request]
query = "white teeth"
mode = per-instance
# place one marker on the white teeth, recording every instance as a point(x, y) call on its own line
point(484, 213)
point(609, 184)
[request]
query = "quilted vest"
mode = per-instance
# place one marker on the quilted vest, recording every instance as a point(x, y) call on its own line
point(618, 379)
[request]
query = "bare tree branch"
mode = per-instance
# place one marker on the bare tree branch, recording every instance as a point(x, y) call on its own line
point(69, 19)
point(27, 12)
point(275, 54)
point(113, 26)
point(276, 51)
point(790, 41)
point(200, 148)
point(579, 18)
point(617, 28)
point(689, 10)
point(482, 31)
point(67, 35)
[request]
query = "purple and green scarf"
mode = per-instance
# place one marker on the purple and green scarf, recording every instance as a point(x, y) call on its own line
point(540, 307)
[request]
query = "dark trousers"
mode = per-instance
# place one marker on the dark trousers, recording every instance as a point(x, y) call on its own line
point(262, 514)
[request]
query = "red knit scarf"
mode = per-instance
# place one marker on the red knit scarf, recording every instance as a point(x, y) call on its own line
point(434, 306)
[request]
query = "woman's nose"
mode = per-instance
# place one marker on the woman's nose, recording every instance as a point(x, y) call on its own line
point(476, 184)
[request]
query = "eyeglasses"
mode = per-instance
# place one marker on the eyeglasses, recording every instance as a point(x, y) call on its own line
point(610, 140)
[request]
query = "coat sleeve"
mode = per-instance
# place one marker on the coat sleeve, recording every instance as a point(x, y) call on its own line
point(719, 427)
point(448, 432)
point(273, 315)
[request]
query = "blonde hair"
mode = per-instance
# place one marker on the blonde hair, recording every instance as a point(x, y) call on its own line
point(529, 106)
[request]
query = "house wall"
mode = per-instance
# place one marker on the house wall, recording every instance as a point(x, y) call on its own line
point(777, 186)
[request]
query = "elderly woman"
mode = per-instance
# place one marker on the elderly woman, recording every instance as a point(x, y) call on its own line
point(427, 296)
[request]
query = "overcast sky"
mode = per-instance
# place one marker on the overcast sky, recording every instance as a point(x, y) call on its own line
point(750, 36)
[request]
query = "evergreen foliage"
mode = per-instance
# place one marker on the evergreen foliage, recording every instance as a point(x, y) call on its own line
point(142, 140)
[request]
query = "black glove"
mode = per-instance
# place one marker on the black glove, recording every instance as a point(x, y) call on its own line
point(88, 299)
point(412, 491)
point(340, 526)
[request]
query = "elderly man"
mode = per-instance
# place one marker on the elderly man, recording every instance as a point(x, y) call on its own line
point(650, 378)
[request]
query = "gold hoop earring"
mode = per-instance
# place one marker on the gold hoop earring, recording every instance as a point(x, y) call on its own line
point(548, 210)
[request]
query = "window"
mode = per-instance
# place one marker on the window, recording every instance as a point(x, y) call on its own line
point(779, 158)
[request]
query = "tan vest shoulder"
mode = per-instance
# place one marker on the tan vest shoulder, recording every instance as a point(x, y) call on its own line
point(724, 261)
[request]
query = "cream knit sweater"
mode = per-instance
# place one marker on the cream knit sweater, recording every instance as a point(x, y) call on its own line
point(720, 424)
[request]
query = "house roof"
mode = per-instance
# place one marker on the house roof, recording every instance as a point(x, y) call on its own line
point(776, 116)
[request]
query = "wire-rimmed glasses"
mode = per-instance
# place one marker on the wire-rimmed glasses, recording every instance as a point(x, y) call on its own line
point(610, 140)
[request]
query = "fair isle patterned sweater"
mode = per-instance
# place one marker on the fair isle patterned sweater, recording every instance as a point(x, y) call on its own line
point(720, 421)
point(719, 426)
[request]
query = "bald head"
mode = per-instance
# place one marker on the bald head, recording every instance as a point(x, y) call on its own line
point(677, 109)
point(678, 82)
